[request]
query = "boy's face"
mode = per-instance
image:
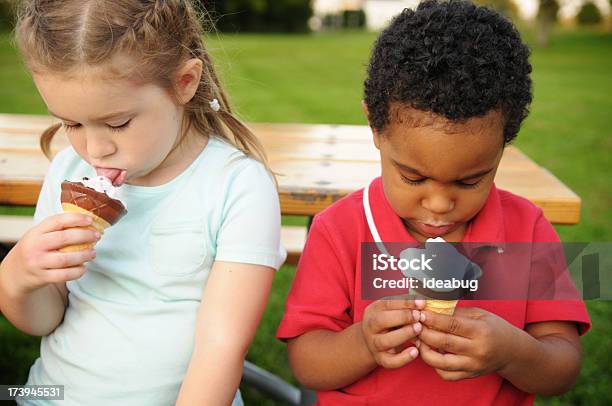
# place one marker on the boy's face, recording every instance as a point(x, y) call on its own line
point(437, 174)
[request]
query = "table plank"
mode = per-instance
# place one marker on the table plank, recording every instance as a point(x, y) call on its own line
point(317, 165)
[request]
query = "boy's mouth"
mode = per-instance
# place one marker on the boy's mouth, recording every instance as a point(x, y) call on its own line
point(434, 230)
point(116, 176)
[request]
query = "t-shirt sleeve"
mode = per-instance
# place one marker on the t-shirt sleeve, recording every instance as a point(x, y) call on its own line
point(49, 203)
point(548, 248)
point(250, 226)
point(320, 294)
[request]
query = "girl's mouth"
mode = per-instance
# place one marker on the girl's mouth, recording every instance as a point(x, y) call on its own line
point(116, 176)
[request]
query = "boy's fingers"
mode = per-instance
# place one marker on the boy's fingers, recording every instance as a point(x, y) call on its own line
point(64, 220)
point(452, 376)
point(456, 325)
point(72, 236)
point(385, 320)
point(446, 341)
point(394, 338)
point(59, 260)
point(446, 362)
point(393, 361)
point(396, 304)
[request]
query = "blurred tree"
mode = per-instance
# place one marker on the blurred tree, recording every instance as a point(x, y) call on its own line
point(259, 15)
point(589, 14)
point(7, 14)
point(506, 7)
point(354, 18)
point(546, 18)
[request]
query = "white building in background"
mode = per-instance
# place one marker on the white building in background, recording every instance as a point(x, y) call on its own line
point(379, 12)
point(323, 7)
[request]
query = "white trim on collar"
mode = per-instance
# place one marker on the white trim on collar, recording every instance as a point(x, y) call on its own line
point(370, 219)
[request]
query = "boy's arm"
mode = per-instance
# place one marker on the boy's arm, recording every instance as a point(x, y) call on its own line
point(232, 305)
point(328, 360)
point(543, 359)
point(547, 359)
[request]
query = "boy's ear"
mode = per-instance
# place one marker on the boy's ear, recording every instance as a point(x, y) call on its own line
point(375, 134)
point(364, 107)
point(187, 80)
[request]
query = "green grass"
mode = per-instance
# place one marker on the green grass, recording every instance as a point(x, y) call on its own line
point(318, 79)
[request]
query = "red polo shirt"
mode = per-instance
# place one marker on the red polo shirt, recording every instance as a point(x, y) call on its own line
point(326, 295)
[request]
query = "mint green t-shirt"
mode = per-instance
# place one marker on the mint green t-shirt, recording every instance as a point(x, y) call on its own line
point(128, 331)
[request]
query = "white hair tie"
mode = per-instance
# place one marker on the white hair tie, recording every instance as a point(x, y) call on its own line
point(214, 104)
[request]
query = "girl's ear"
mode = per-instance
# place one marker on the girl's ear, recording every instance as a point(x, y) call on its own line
point(187, 80)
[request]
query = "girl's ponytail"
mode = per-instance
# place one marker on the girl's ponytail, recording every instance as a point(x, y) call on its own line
point(46, 137)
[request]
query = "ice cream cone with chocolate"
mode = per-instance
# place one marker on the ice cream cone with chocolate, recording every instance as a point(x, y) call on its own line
point(95, 198)
point(445, 265)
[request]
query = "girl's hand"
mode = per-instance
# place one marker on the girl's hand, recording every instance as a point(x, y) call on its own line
point(35, 260)
point(471, 343)
point(387, 325)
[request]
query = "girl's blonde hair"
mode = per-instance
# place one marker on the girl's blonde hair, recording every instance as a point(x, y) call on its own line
point(160, 35)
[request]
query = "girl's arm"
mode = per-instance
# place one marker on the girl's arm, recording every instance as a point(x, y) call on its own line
point(233, 303)
point(33, 294)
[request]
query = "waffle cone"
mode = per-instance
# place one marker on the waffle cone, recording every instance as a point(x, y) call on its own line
point(441, 306)
point(99, 225)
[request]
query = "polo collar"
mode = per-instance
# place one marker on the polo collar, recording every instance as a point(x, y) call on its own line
point(487, 227)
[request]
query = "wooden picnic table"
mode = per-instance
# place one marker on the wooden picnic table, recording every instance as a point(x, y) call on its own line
point(317, 164)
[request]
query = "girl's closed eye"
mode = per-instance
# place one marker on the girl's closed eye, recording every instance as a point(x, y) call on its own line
point(70, 127)
point(120, 127)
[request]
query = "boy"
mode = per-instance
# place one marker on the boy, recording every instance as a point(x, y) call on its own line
point(447, 88)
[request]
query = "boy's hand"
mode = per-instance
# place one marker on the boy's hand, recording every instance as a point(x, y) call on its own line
point(35, 262)
point(387, 326)
point(474, 342)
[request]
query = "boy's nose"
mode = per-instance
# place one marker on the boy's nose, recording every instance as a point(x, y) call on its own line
point(438, 204)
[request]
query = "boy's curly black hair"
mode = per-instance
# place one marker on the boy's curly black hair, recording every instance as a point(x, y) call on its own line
point(452, 58)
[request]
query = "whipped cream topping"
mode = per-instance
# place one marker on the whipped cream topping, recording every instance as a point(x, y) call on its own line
point(102, 184)
point(437, 239)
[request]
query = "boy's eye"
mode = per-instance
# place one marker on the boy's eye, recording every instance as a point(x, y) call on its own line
point(464, 185)
point(469, 185)
point(412, 182)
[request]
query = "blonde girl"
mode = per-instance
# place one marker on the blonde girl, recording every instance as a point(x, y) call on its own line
point(165, 306)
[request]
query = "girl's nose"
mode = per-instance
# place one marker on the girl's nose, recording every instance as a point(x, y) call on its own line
point(438, 203)
point(99, 146)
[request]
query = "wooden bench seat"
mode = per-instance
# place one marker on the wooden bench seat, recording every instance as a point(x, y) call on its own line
point(317, 164)
point(13, 227)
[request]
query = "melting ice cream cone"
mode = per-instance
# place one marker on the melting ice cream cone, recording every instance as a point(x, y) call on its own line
point(90, 197)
